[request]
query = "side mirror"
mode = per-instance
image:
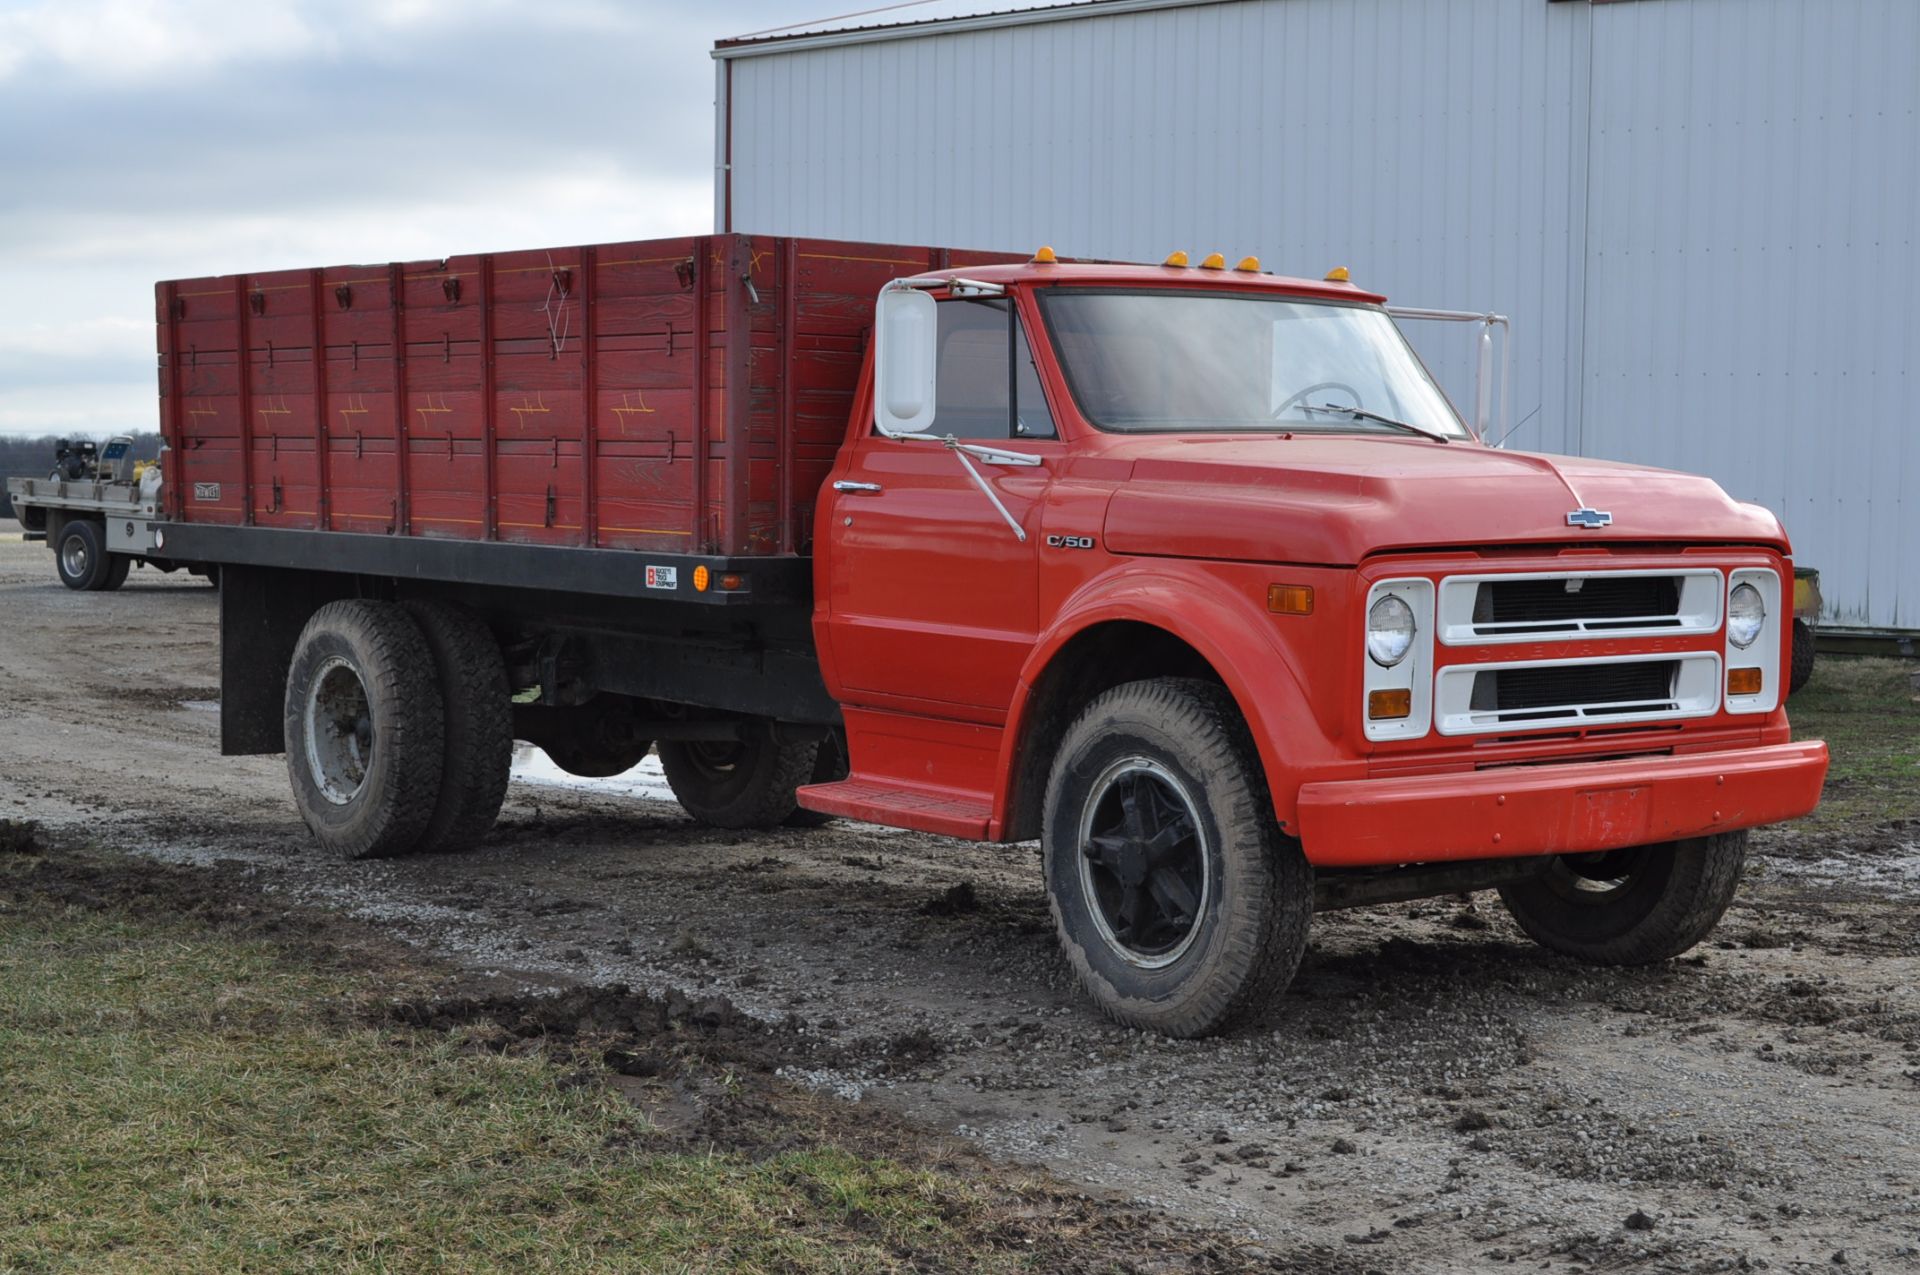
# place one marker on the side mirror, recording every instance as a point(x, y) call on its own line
point(905, 332)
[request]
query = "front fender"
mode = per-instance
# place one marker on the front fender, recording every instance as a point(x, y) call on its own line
point(1218, 609)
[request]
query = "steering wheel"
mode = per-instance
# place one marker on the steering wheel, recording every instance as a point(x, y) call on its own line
point(1315, 388)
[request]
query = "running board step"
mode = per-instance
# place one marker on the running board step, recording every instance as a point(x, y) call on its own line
point(936, 810)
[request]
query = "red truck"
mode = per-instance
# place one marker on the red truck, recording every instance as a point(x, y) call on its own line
point(1190, 572)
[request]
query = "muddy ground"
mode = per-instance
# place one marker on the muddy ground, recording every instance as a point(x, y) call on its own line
point(1437, 1094)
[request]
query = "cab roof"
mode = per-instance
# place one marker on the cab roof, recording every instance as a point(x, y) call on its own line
point(1122, 275)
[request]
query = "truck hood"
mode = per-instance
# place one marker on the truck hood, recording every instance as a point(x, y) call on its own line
point(1333, 500)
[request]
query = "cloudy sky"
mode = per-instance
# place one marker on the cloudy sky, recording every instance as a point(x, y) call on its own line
point(159, 139)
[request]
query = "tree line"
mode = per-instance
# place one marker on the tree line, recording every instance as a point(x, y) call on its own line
point(33, 457)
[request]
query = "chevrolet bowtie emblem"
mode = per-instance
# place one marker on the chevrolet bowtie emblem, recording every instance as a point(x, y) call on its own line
point(1591, 519)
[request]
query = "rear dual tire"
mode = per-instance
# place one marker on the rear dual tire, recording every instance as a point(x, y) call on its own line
point(398, 726)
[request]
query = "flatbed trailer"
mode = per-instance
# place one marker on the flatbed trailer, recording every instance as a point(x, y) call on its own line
point(1188, 571)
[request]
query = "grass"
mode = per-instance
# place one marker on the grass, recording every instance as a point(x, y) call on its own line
point(180, 1096)
point(1865, 710)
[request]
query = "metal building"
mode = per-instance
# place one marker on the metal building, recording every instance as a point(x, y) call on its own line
point(1701, 214)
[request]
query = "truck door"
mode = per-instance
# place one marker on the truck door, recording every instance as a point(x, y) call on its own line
point(931, 595)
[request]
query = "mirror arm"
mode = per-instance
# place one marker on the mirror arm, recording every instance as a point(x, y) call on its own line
point(960, 451)
point(993, 455)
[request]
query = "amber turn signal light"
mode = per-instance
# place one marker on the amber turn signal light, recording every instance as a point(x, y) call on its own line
point(1385, 706)
point(1290, 599)
point(1743, 681)
point(702, 578)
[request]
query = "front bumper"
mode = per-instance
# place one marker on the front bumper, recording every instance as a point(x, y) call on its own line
point(1569, 808)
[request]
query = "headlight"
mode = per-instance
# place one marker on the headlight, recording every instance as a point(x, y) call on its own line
point(1746, 613)
point(1390, 631)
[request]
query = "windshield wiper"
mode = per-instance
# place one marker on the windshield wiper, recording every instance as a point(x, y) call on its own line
point(1362, 414)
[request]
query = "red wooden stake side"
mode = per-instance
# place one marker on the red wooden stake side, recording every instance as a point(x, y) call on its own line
point(680, 395)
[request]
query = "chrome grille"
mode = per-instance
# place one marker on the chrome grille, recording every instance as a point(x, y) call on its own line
point(1488, 609)
point(1534, 612)
point(1576, 604)
point(1549, 693)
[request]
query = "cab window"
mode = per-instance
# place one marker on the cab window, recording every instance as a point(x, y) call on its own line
point(986, 384)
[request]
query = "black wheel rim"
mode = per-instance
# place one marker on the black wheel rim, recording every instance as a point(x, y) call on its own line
point(1143, 862)
point(1596, 879)
point(715, 758)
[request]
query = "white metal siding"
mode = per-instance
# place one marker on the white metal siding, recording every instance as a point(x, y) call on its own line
point(1698, 212)
point(1752, 273)
point(1423, 143)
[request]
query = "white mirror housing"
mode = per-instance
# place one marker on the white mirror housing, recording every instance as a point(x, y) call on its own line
point(905, 333)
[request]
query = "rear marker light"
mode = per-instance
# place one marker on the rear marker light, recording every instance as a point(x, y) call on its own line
point(1389, 705)
point(731, 582)
point(1290, 599)
point(1743, 681)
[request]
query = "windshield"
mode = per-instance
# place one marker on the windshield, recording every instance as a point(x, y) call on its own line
point(1160, 362)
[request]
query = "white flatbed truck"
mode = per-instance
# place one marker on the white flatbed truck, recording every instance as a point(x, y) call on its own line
point(99, 513)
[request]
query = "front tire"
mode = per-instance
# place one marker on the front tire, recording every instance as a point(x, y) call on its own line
point(1636, 906)
point(478, 732)
point(743, 783)
point(81, 556)
point(1179, 903)
point(365, 730)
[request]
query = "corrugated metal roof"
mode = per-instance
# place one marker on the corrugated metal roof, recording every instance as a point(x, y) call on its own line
point(917, 17)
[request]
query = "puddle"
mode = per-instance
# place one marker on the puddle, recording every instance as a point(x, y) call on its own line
point(647, 780)
point(1894, 872)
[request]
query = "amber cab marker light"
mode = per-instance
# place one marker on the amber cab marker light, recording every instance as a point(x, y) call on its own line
point(1175, 259)
point(1339, 274)
point(1214, 261)
point(1743, 681)
point(1045, 257)
point(1251, 264)
point(1385, 706)
point(1290, 599)
point(702, 578)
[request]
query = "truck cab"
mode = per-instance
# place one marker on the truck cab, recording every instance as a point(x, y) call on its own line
point(1194, 574)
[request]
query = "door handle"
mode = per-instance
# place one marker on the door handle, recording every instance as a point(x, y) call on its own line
point(847, 484)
